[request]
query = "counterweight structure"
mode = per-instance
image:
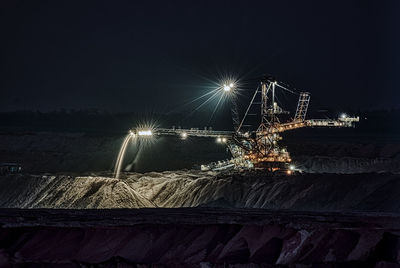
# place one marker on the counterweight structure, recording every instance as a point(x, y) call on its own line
point(260, 148)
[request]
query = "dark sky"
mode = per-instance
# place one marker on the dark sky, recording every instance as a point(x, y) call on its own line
point(154, 55)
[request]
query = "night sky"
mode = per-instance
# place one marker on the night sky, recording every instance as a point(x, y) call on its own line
point(129, 56)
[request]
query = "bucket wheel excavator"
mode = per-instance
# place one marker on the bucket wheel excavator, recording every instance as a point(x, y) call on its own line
point(258, 148)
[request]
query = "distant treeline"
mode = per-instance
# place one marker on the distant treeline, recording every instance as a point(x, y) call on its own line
point(114, 123)
point(98, 121)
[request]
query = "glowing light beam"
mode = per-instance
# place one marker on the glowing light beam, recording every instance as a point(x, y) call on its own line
point(215, 109)
point(205, 102)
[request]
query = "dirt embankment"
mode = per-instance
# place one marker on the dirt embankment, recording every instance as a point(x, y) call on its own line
point(312, 192)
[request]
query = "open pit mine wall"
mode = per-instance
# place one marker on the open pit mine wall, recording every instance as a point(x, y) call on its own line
point(80, 152)
point(274, 241)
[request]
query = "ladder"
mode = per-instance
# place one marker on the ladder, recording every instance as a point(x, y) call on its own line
point(302, 107)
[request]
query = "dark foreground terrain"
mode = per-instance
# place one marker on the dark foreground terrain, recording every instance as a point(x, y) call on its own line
point(197, 237)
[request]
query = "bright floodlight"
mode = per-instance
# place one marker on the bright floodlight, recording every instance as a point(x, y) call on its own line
point(292, 167)
point(227, 87)
point(145, 133)
point(219, 140)
point(183, 135)
point(231, 85)
point(343, 115)
point(223, 140)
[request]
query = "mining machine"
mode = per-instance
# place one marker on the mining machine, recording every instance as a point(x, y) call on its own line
point(259, 148)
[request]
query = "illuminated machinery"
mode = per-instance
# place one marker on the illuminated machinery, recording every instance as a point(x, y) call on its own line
point(259, 148)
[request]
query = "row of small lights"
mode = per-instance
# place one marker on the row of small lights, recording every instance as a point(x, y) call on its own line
point(183, 135)
point(221, 140)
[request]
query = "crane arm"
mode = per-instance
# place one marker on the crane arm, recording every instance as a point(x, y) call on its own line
point(340, 122)
point(184, 133)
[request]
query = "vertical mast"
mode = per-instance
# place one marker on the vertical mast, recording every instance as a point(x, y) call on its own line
point(265, 121)
point(273, 103)
point(235, 114)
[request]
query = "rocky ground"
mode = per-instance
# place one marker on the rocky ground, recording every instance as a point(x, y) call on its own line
point(190, 188)
point(201, 237)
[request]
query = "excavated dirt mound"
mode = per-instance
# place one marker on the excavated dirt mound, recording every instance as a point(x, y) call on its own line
point(311, 192)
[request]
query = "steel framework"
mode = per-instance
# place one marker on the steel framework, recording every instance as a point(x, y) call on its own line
point(302, 107)
point(259, 148)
